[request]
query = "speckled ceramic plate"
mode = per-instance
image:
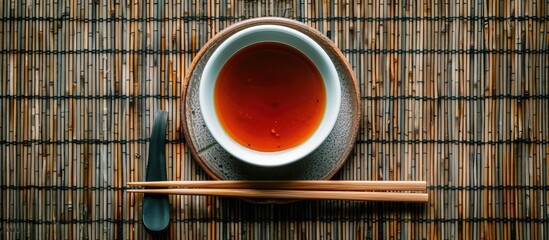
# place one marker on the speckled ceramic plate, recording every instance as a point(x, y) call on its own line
point(323, 163)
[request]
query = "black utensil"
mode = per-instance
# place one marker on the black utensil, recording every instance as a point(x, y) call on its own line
point(156, 208)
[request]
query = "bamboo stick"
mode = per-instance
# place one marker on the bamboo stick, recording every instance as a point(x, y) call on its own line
point(310, 185)
point(294, 194)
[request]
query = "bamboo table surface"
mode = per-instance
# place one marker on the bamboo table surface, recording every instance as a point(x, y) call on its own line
point(454, 93)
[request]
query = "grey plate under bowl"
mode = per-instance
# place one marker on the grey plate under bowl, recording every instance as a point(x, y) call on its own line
point(323, 163)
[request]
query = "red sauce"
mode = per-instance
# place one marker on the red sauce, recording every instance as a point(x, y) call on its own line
point(269, 97)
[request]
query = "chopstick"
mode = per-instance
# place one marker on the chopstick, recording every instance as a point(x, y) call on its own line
point(296, 189)
point(294, 194)
point(294, 185)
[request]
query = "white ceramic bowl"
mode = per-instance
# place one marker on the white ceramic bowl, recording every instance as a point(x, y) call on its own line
point(280, 34)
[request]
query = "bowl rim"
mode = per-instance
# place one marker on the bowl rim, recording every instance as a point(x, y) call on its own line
point(242, 39)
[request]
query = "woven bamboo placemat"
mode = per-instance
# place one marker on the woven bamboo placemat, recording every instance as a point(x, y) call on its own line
point(454, 93)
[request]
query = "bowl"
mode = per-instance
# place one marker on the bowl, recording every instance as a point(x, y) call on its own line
point(276, 34)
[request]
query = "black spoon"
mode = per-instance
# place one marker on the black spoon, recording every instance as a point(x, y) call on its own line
point(156, 208)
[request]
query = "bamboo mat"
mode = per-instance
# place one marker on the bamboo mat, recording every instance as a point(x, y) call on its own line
point(454, 93)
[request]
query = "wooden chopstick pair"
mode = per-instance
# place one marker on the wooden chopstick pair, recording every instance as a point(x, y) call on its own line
point(399, 191)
